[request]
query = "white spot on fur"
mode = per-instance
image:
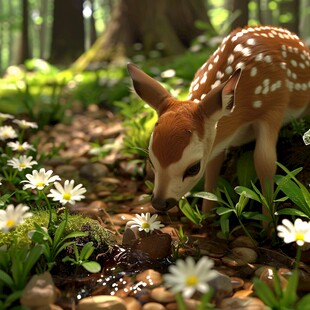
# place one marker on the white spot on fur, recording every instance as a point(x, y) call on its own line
point(284, 54)
point(238, 48)
point(196, 100)
point(268, 58)
point(265, 90)
point(219, 75)
point(246, 52)
point(259, 57)
point(204, 78)
point(229, 70)
point(258, 90)
point(216, 59)
point(215, 84)
point(210, 67)
point(293, 62)
point(257, 104)
point(202, 96)
point(302, 65)
point(196, 87)
point(253, 71)
point(230, 59)
point(251, 41)
point(240, 65)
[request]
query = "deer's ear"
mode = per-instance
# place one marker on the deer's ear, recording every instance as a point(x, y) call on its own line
point(221, 100)
point(148, 89)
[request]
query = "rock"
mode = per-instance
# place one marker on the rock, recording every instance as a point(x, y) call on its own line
point(120, 219)
point(151, 277)
point(236, 282)
point(162, 295)
point(102, 302)
point(222, 286)
point(243, 293)
point(132, 303)
point(240, 256)
point(268, 275)
point(243, 241)
point(155, 245)
point(153, 306)
point(247, 303)
point(66, 171)
point(39, 292)
point(93, 171)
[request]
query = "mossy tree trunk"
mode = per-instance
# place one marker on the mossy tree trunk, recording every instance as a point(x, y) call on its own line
point(150, 23)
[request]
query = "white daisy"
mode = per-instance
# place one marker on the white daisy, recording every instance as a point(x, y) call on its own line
point(16, 146)
point(4, 116)
point(298, 232)
point(186, 277)
point(24, 124)
point(68, 193)
point(11, 217)
point(7, 132)
point(21, 163)
point(39, 179)
point(145, 222)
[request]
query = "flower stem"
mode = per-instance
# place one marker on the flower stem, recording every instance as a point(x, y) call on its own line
point(180, 301)
point(49, 209)
point(298, 255)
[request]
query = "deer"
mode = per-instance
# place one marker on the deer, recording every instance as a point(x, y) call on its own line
point(256, 81)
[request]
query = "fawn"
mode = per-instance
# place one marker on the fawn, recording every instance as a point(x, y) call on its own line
point(257, 80)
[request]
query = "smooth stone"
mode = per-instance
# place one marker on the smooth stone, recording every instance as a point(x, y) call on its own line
point(192, 304)
point(102, 302)
point(236, 282)
point(240, 256)
point(222, 286)
point(153, 306)
point(243, 241)
point(143, 295)
point(120, 218)
point(151, 277)
point(93, 171)
point(132, 303)
point(248, 303)
point(243, 293)
point(156, 245)
point(162, 295)
point(268, 275)
point(40, 291)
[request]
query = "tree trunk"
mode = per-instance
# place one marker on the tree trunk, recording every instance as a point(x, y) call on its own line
point(168, 24)
point(290, 8)
point(304, 26)
point(241, 7)
point(67, 31)
point(266, 14)
point(24, 51)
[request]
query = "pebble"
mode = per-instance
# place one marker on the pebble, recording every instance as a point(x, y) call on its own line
point(222, 286)
point(162, 295)
point(247, 303)
point(40, 291)
point(93, 171)
point(132, 303)
point(243, 241)
point(153, 306)
point(151, 277)
point(236, 282)
point(102, 302)
point(240, 256)
point(268, 275)
point(243, 293)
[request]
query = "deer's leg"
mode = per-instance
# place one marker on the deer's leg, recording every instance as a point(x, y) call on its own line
point(211, 176)
point(265, 154)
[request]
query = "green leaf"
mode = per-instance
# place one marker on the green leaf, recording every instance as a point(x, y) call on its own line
point(6, 279)
point(59, 233)
point(265, 294)
point(92, 267)
point(293, 212)
point(255, 216)
point(248, 192)
point(224, 222)
point(87, 251)
point(304, 303)
point(16, 295)
point(223, 210)
point(206, 195)
point(5, 198)
point(63, 247)
point(290, 296)
point(246, 170)
point(188, 211)
point(76, 234)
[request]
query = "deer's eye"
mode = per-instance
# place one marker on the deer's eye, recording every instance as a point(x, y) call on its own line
point(192, 170)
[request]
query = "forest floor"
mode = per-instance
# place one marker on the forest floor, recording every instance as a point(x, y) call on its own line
point(113, 198)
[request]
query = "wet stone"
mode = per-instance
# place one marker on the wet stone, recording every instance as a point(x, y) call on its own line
point(243, 293)
point(236, 282)
point(151, 277)
point(240, 256)
point(268, 275)
point(222, 286)
point(160, 294)
point(247, 303)
point(102, 302)
point(243, 241)
point(132, 303)
point(153, 306)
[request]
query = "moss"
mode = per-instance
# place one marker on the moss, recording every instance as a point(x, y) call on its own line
point(76, 222)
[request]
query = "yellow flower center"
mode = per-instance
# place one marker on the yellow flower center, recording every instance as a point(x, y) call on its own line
point(66, 196)
point(20, 148)
point(22, 165)
point(300, 236)
point(40, 184)
point(10, 223)
point(191, 280)
point(145, 225)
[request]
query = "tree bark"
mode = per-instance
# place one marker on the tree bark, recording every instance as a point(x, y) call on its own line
point(291, 7)
point(67, 31)
point(170, 24)
point(24, 51)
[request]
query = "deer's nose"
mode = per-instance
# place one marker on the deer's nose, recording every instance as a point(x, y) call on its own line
point(164, 204)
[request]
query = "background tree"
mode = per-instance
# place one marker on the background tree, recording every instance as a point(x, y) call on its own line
point(242, 10)
point(68, 35)
point(170, 23)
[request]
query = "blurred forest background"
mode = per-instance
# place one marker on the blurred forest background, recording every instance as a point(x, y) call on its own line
point(48, 47)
